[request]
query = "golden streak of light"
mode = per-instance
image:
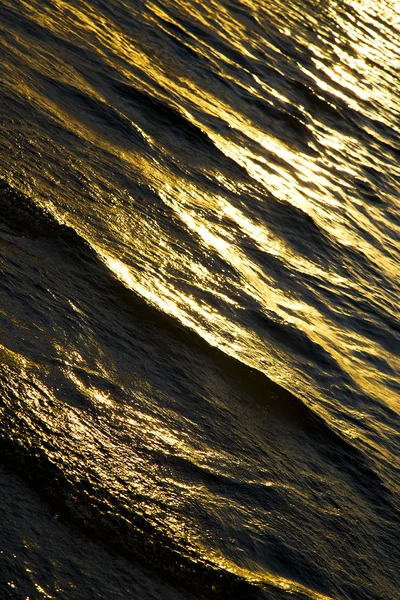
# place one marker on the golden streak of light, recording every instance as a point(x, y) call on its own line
point(91, 392)
point(183, 307)
point(264, 578)
point(359, 72)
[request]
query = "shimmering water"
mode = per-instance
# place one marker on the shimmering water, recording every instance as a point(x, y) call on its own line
point(199, 246)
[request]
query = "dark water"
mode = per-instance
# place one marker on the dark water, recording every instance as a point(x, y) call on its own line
point(200, 334)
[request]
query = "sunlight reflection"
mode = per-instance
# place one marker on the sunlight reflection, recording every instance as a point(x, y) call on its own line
point(358, 72)
point(186, 309)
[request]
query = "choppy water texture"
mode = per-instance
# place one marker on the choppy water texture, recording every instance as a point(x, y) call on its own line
point(199, 246)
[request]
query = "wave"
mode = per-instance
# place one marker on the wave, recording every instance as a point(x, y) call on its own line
point(163, 114)
point(25, 216)
point(161, 118)
point(99, 512)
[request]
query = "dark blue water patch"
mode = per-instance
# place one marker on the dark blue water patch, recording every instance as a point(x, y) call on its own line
point(246, 18)
point(297, 341)
point(94, 113)
point(290, 129)
point(293, 51)
point(296, 227)
point(284, 110)
point(369, 192)
point(284, 123)
point(373, 328)
point(380, 178)
point(204, 34)
point(393, 383)
point(322, 107)
point(183, 50)
point(387, 136)
point(38, 549)
point(288, 217)
point(192, 29)
point(167, 124)
point(34, 132)
point(292, 282)
point(164, 114)
point(393, 215)
point(389, 416)
point(229, 52)
point(179, 41)
point(23, 215)
point(175, 30)
point(354, 312)
point(355, 263)
point(378, 362)
point(281, 559)
point(15, 18)
point(129, 17)
point(334, 112)
point(122, 531)
point(378, 242)
point(84, 58)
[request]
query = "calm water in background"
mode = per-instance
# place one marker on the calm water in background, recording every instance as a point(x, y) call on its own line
point(199, 249)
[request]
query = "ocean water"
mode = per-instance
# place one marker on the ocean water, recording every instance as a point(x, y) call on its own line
point(199, 299)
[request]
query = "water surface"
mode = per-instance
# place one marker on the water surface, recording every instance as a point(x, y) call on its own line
point(199, 246)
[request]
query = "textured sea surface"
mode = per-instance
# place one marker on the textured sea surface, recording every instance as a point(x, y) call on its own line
point(199, 299)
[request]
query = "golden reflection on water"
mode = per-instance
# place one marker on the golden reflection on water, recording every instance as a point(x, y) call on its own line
point(183, 307)
point(358, 72)
point(290, 183)
point(297, 178)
